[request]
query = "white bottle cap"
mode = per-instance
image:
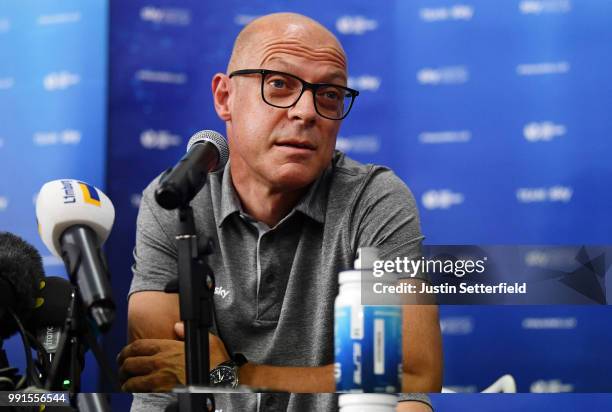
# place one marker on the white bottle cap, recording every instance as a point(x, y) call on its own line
point(367, 400)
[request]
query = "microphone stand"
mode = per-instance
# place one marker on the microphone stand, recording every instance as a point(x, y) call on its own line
point(8, 375)
point(196, 285)
point(75, 329)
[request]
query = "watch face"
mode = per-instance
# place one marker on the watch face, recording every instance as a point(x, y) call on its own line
point(222, 375)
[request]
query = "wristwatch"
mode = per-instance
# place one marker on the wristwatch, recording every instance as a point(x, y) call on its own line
point(226, 374)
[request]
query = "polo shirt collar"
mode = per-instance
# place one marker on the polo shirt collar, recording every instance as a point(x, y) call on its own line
point(312, 203)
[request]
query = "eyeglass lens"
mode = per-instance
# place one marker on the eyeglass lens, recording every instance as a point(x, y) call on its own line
point(283, 91)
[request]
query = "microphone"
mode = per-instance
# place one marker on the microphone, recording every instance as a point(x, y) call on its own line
point(207, 151)
point(21, 271)
point(50, 313)
point(47, 325)
point(74, 221)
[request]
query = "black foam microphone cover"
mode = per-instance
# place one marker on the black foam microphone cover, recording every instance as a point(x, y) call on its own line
point(21, 271)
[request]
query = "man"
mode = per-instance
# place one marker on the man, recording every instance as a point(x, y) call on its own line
point(286, 215)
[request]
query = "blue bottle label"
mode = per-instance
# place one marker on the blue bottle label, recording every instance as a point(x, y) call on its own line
point(368, 348)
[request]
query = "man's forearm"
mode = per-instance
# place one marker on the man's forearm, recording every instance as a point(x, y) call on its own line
point(317, 379)
point(423, 383)
point(288, 378)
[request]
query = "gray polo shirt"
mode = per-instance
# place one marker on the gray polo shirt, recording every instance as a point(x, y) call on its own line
point(275, 287)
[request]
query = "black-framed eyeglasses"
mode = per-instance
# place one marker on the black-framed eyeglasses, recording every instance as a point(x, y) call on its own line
point(283, 90)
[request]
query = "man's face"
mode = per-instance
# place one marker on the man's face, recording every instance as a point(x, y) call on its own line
point(285, 149)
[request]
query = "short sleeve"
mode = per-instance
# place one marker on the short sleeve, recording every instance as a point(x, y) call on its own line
point(386, 217)
point(155, 255)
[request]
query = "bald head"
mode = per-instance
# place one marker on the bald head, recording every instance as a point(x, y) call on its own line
point(265, 36)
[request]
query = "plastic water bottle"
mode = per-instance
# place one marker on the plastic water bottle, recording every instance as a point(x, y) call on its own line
point(368, 339)
point(367, 402)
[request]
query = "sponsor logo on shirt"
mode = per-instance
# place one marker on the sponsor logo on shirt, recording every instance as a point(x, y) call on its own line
point(220, 291)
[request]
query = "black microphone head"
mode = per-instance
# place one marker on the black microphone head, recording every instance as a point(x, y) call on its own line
point(52, 304)
point(216, 139)
point(21, 271)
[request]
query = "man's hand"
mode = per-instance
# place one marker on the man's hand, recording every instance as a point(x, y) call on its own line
point(218, 354)
point(158, 365)
point(152, 365)
point(412, 407)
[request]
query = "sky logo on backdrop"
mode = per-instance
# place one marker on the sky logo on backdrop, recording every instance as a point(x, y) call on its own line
point(358, 144)
point(6, 83)
point(585, 273)
point(543, 131)
point(458, 325)
point(66, 137)
point(457, 12)
point(356, 25)
point(550, 386)
point(544, 68)
point(549, 323)
point(364, 83)
point(548, 259)
point(447, 136)
point(443, 75)
point(5, 25)
point(441, 199)
point(60, 80)
point(159, 139)
point(59, 18)
point(169, 16)
point(4, 202)
point(544, 6)
point(156, 76)
point(135, 200)
point(557, 193)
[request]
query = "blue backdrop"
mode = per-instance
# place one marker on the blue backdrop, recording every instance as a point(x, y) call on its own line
point(493, 113)
point(53, 86)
